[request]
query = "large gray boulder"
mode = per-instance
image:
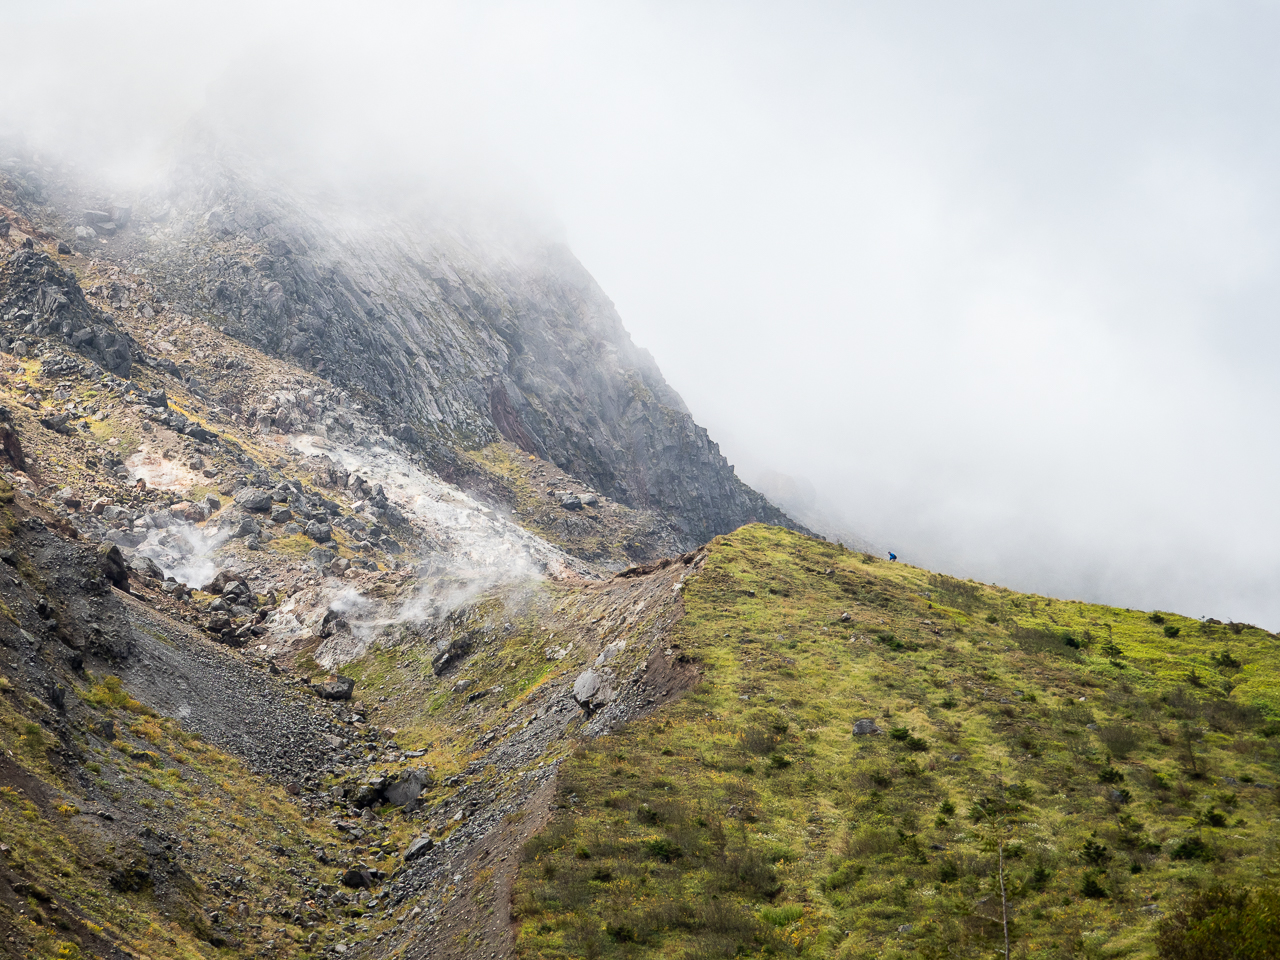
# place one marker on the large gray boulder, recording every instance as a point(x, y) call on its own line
point(253, 499)
point(112, 566)
point(319, 532)
point(335, 688)
point(591, 691)
point(146, 567)
point(418, 848)
point(246, 528)
point(864, 727)
point(407, 787)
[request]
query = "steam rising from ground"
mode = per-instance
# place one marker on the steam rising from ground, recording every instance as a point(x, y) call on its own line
point(184, 551)
point(466, 550)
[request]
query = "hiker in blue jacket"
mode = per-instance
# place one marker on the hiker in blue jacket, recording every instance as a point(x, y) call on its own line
point(892, 555)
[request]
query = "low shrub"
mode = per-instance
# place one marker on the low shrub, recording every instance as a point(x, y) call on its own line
point(1121, 739)
point(1192, 848)
point(1222, 923)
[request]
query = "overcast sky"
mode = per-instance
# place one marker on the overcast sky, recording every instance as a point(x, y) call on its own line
point(999, 279)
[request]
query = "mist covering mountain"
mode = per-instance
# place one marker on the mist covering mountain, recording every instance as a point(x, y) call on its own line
point(459, 336)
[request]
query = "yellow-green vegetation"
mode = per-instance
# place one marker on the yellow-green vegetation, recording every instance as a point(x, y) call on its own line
point(1098, 763)
point(505, 667)
point(296, 545)
point(117, 428)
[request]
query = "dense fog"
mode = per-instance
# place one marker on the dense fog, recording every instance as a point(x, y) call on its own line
point(991, 285)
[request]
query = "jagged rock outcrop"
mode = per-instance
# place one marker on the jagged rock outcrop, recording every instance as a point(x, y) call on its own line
point(40, 298)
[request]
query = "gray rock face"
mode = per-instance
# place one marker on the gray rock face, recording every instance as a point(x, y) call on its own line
point(864, 727)
point(457, 343)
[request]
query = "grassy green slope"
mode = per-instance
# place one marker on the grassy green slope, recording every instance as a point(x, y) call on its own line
point(747, 819)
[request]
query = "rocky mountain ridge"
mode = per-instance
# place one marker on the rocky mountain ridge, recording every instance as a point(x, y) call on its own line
point(453, 339)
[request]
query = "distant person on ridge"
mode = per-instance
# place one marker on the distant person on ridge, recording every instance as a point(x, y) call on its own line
point(892, 555)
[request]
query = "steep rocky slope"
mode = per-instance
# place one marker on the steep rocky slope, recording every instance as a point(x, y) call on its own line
point(455, 338)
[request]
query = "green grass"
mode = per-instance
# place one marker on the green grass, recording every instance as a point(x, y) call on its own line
point(747, 819)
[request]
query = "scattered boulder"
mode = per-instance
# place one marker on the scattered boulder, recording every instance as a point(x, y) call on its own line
point(10, 445)
point(254, 500)
point(146, 567)
point(335, 688)
point(111, 564)
point(864, 727)
point(224, 577)
point(156, 398)
point(357, 878)
point(592, 692)
point(319, 532)
point(246, 528)
point(419, 847)
point(322, 556)
point(281, 515)
point(408, 786)
point(609, 652)
point(57, 423)
point(571, 501)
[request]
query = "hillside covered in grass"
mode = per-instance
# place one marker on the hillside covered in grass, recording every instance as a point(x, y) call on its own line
point(1114, 760)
